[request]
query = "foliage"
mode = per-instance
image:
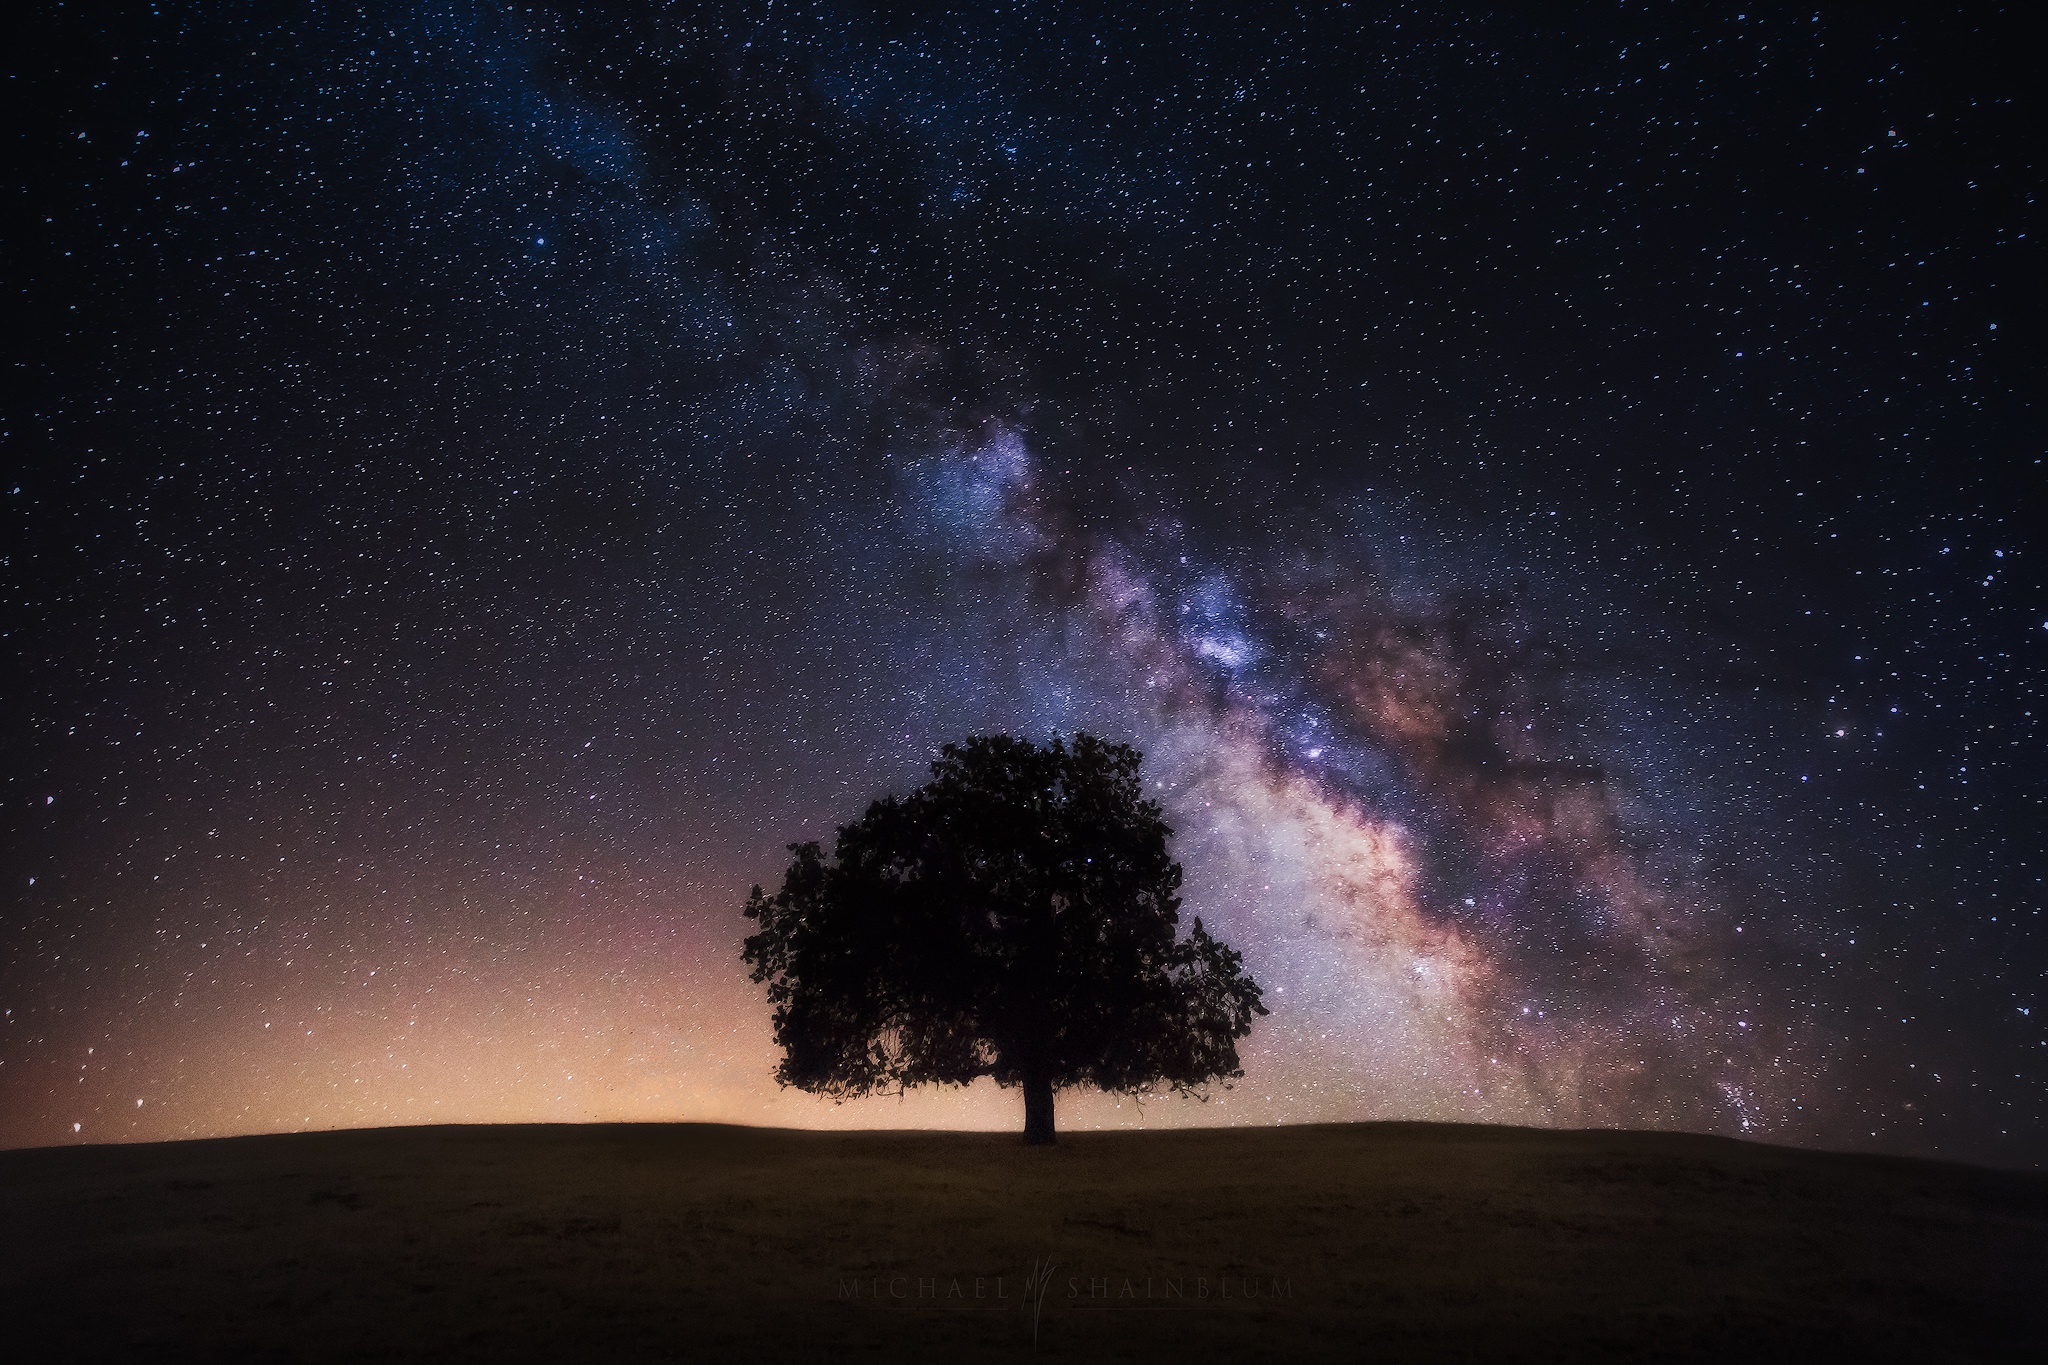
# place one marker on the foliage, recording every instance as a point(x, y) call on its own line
point(1015, 917)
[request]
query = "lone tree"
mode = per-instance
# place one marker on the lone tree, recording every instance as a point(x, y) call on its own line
point(1014, 917)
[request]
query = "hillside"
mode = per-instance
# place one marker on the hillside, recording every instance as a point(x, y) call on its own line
point(1359, 1242)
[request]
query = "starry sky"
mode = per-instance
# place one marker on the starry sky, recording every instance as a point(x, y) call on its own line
point(1555, 495)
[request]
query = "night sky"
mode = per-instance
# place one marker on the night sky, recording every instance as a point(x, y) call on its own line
point(1556, 495)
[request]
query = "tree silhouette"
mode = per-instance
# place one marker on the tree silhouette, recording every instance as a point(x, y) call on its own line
point(1014, 917)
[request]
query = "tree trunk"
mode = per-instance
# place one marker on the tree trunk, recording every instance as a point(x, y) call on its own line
point(1038, 1111)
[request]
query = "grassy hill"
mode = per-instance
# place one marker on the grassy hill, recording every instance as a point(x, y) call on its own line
point(1368, 1242)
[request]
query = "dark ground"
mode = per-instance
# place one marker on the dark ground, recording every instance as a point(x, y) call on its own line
point(1360, 1242)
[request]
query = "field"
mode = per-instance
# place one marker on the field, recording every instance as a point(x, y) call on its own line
point(697, 1242)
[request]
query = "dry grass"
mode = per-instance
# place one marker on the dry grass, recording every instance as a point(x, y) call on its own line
point(1364, 1242)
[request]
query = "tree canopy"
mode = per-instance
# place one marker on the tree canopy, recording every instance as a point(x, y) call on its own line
point(1016, 917)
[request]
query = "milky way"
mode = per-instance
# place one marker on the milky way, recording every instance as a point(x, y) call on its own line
point(1546, 497)
point(1452, 904)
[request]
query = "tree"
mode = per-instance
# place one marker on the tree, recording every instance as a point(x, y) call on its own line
point(1015, 917)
